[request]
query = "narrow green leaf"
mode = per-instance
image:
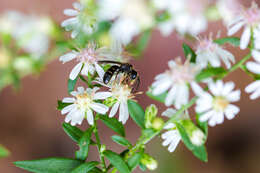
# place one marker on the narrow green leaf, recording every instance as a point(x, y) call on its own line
point(49, 165)
point(137, 113)
point(85, 167)
point(73, 132)
point(143, 40)
point(84, 143)
point(3, 151)
point(189, 53)
point(62, 105)
point(199, 151)
point(210, 72)
point(121, 141)
point(72, 84)
point(231, 40)
point(202, 125)
point(116, 161)
point(113, 124)
point(160, 98)
point(134, 161)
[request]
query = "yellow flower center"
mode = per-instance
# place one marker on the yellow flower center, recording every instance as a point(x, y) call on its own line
point(220, 103)
point(83, 101)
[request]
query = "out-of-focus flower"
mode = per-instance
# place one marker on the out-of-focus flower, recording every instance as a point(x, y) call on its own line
point(34, 32)
point(187, 16)
point(88, 61)
point(209, 52)
point(82, 105)
point(250, 20)
point(228, 9)
point(172, 136)
point(254, 67)
point(214, 107)
point(129, 17)
point(176, 79)
point(149, 162)
point(82, 19)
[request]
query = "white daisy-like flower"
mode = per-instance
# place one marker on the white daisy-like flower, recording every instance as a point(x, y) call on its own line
point(228, 9)
point(88, 61)
point(209, 52)
point(171, 137)
point(183, 13)
point(129, 17)
point(214, 107)
point(176, 80)
point(250, 20)
point(82, 18)
point(83, 104)
point(254, 67)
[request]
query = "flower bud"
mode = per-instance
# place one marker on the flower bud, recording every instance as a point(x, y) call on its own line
point(23, 64)
point(102, 148)
point(196, 135)
point(4, 59)
point(157, 123)
point(150, 114)
point(149, 162)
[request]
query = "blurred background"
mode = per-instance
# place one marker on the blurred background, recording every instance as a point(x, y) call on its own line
point(30, 125)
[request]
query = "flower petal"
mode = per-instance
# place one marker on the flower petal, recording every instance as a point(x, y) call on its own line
point(75, 71)
point(114, 109)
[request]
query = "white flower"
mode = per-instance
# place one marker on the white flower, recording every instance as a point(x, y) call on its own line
point(254, 67)
point(187, 16)
point(176, 79)
point(228, 9)
point(82, 19)
point(214, 107)
point(172, 136)
point(129, 17)
point(197, 137)
point(250, 20)
point(83, 105)
point(88, 61)
point(209, 52)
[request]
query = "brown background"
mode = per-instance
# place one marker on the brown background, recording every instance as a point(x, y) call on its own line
point(30, 125)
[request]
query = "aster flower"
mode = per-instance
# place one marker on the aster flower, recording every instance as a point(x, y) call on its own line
point(214, 107)
point(183, 13)
point(171, 137)
point(83, 104)
point(82, 18)
point(88, 61)
point(254, 67)
point(209, 52)
point(250, 20)
point(176, 80)
point(129, 17)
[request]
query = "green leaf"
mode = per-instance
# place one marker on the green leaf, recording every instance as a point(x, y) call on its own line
point(199, 151)
point(202, 125)
point(210, 72)
point(49, 165)
point(231, 40)
point(113, 124)
point(121, 141)
point(137, 113)
point(72, 84)
point(84, 143)
point(189, 53)
point(142, 167)
point(116, 161)
point(143, 40)
point(73, 132)
point(62, 105)
point(85, 167)
point(134, 161)
point(160, 98)
point(3, 151)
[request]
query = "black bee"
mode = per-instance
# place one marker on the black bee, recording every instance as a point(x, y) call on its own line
point(120, 68)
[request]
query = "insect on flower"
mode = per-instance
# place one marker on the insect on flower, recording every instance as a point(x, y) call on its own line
point(124, 68)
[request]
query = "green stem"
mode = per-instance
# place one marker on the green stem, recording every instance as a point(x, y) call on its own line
point(101, 156)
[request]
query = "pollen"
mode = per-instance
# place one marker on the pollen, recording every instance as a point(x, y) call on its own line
point(83, 101)
point(220, 103)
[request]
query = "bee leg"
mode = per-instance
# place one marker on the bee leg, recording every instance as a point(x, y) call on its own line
point(136, 85)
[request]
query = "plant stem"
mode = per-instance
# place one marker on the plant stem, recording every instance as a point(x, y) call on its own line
point(101, 156)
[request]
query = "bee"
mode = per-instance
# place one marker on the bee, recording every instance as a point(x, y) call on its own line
point(119, 67)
